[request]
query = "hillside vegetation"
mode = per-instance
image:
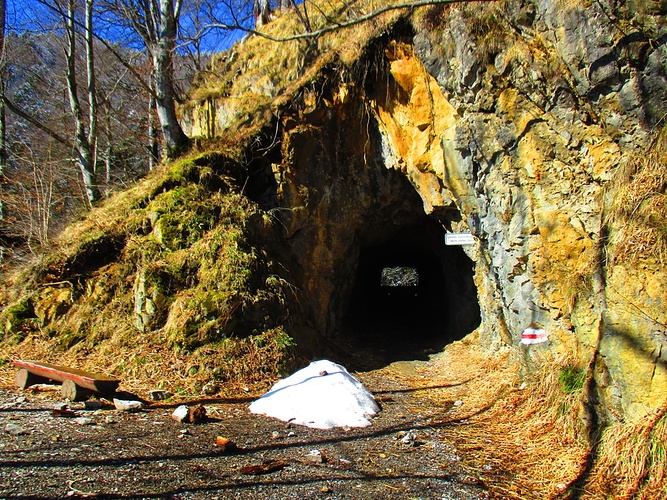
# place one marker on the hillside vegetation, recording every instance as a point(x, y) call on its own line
point(197, 274)
point(169, 283)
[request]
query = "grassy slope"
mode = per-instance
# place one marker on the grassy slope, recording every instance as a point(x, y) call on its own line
point(167, 284)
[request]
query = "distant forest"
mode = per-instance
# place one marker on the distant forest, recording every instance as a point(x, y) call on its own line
point(88, 93)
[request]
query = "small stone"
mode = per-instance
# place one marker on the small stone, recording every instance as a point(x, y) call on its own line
point(210, 388)
point(15, 430)
point(410, 438)
point(291, 434)
point(181, 414)
point(21, 399)
point(67, 413)
point(325, 489)
point(84, 421)
point(275, 434)
point(93, 405)
point(458, 402)
point(159, 395)
point(198, 414)
point(225, 445)
point(314, 457)
point(126, 405)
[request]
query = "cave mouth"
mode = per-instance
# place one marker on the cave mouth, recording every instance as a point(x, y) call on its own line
point(411, 297)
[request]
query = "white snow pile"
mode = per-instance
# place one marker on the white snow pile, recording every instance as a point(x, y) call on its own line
point(322, 395)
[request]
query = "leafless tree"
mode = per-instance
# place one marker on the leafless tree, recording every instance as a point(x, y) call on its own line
point(85, 142)
point(156, 22)
point(3, 123)
point(41, 129)
point(261, 12)
point(234, 22)
point(3, 151)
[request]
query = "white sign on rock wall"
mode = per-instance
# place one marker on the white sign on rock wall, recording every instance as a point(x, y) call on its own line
point(459, 239)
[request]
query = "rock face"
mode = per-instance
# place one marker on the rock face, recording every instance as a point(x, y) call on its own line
point(512, 123)
point(543, 122)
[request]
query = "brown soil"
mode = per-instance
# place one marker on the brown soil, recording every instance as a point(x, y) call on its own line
point(404, 454)
point(432, 439)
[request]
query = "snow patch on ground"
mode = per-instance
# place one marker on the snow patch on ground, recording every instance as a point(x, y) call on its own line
point(322, 395)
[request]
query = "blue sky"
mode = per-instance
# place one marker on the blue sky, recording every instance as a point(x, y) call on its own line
point(23, 14)
point(32, 15)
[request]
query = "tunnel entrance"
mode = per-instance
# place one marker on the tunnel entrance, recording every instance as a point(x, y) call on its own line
point(412, 296)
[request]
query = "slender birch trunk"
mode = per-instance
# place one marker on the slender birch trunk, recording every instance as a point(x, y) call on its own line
point(91, 85)
point(153, 149)
point(163, 46)
point(3, 130)
point(82, 145)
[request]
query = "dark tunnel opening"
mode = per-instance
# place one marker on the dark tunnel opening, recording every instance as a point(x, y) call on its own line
point(412, 296)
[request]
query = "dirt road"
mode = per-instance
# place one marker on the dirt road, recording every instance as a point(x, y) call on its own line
point(106, 453)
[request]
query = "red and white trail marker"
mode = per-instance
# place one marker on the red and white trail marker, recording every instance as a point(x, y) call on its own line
point(534, 336)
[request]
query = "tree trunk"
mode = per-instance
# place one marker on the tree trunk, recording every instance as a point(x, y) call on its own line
point(92, 84)
point(153, 150)
point(175, 140)
point(261, 12)
point(82, 145)
point(3, 133)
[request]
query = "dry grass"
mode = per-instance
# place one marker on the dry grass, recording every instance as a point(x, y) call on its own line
point(525, 437)
point(526, 441)
point(147, 288)
point(530, 437)
point(145, 362)
point(522, 438)
point(637, 212)
point(166, 265)
point(258, 76)
point(632, 460)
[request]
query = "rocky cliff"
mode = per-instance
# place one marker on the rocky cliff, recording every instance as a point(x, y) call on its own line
point(535, 126)
point(523, 123)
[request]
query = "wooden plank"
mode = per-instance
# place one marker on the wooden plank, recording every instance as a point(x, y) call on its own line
point(84, 379)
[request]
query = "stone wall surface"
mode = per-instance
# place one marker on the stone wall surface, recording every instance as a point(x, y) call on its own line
point(517, 120)
point(542, 126)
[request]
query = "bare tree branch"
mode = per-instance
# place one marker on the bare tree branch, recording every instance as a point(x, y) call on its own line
point(346, 24)
point(34, 121)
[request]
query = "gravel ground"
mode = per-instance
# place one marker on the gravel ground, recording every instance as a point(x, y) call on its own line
point(106, 453)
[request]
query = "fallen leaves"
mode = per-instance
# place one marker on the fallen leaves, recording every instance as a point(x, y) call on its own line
point(226, 445)
point(266, 467)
